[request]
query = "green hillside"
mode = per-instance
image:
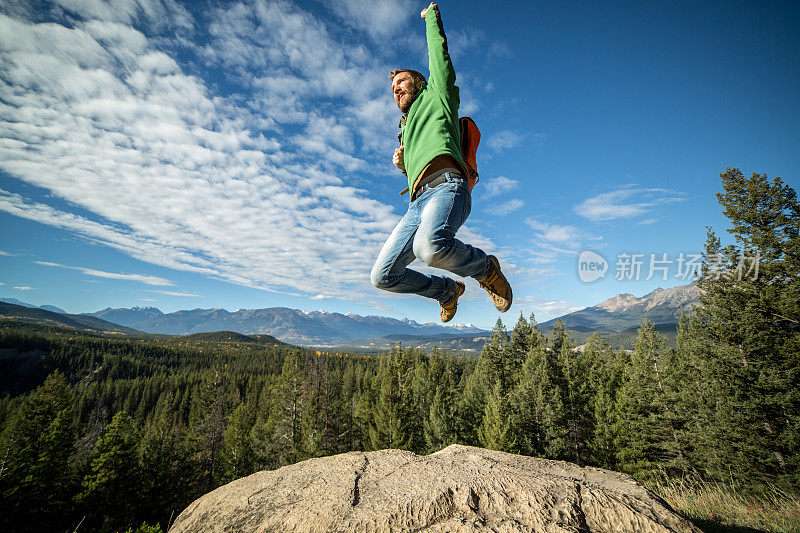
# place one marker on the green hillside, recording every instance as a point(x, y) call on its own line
point(233, 337)
point(43, 317)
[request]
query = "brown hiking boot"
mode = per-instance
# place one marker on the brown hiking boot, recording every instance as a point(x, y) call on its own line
point(449, 309)
point(496, 284)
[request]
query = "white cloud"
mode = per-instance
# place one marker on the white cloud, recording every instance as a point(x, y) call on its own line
point(149, 280)
point(157, 12)
point(137, 246)
point(506, 207)
point(541, 256)
point(6, 254)
point(380, 19)
point(557, 234)
point(173, 293)
point(543, 309)
point(499, 49)
point(23, 288)
point(625, 203)
point(504, 140)
point(498, 185)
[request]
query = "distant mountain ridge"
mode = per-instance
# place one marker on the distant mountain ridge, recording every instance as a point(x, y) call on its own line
point(626, 311)
point(127, 316)
point(37, 315)
point(14, 301)
point(295, 326)
point(616, 318)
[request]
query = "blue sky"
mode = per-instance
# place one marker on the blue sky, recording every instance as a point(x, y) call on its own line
point(238, 155)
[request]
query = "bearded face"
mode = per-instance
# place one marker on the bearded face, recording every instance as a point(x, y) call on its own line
point(404, 91)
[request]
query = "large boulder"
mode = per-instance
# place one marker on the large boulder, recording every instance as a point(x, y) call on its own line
point(457, 489)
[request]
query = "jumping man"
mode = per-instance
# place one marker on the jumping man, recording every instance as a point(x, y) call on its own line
point(430, 156)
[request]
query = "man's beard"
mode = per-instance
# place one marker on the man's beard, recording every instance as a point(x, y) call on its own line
point(412, 97)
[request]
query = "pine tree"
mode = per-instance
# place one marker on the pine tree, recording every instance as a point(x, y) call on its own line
point(490, 368)
point(609, 371)
point(238, 458)
point(550, 395)
point(365, 409)
point(441, 423)
point(350, 396)
point(472, 403)
point(524, 335)
point(419, 393)
point(750, 316)
point(165, 468)
point(318, 424)
point(523, 399)
point(579, 368)
point(36, 478)
point(495, 430)
point(645, 417)
point(286, 413)
point(393, 420)
point(214, 407)
point(111, 488)
point(495, 353)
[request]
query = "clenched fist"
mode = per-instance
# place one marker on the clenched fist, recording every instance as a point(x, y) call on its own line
point(397, 159)
point(425, 11)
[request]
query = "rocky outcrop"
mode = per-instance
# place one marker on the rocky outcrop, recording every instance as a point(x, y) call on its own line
point(458, 489)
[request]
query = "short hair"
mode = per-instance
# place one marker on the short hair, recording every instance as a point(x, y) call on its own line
point(416, 76)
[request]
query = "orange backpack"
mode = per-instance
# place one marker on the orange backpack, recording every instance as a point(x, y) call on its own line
point(470, 138)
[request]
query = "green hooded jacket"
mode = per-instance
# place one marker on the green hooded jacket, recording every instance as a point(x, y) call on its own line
point(431, 128)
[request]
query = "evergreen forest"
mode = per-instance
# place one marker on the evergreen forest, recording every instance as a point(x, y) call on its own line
point(104, 433)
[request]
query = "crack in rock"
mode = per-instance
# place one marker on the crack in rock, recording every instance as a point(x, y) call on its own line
point(356, 494)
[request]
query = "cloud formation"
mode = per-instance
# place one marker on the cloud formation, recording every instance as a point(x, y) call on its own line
point(142, 278)
point(243, 184)
point(625, 203)
point(504, 140)
point(378, 18)
point(499, 185)
point(544, 309)
point(565, 235)
point(506, 208)
point(174, 293)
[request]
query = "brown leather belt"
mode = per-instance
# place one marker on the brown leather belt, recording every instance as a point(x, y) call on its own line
point(435, 179)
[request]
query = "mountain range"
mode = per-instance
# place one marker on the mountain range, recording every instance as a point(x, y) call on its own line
point(295, 326)
point(616, 319)
point(626, 311)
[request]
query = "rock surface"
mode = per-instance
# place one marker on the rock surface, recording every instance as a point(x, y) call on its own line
point(457, 489)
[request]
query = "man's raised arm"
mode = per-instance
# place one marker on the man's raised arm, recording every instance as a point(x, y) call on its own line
point(442, 76)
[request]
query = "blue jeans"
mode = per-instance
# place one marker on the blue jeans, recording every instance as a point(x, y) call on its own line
point(427, 231)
